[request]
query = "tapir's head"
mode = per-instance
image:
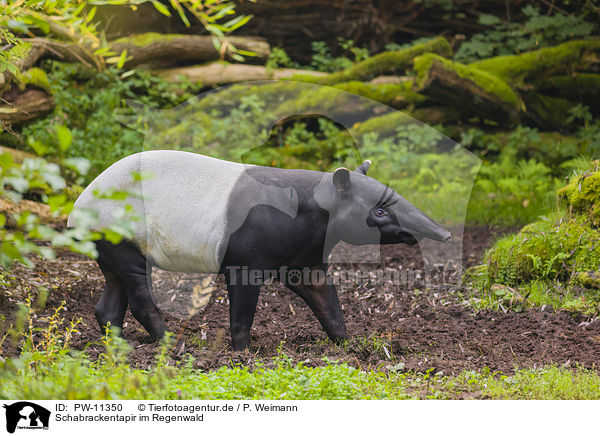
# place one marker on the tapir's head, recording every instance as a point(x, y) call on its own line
point(364, 211)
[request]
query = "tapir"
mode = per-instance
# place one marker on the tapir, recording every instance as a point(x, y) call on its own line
point(201, 214)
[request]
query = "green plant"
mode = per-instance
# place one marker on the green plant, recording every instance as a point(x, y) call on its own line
point(21, 233)
point(323, 60)
point(280, 59)
point(73, 20)
point(83, 123)
point(511, 38)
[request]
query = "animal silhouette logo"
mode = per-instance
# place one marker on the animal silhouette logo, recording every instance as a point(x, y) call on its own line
point(26, 415)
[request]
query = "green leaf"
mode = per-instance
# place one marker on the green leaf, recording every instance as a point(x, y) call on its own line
point(122, 59)
point(65, 138)
point(56, 202)
point(78, 164)
point(37, 146)
point(91, 14)
point(161, 8)
point(237, 22)
point(17, 25)
point(39, 23)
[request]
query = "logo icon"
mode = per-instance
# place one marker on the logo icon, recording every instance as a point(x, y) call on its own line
point(26, 415)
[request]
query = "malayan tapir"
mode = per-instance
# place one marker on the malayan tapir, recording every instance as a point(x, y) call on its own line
point(202, 214)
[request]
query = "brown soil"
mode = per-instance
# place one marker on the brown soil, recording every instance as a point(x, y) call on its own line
point(422, 328)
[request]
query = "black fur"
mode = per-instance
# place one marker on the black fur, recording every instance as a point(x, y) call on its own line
point(268, 239)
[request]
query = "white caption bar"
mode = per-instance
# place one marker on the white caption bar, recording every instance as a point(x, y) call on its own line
point(292, 417)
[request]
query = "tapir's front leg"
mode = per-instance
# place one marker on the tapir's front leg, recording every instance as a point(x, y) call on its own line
point(323, 300)
point(242, 307)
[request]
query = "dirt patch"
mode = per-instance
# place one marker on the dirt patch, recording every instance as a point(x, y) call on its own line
point(422, 328)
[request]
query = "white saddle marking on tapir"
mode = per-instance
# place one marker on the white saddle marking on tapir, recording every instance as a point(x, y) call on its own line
point(184, 205)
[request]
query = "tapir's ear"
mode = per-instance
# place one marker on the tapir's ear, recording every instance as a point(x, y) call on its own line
point(341, 179)
point(364, 167)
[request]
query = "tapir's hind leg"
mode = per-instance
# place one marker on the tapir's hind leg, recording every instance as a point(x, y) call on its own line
point(127, 274)
point(113, 303)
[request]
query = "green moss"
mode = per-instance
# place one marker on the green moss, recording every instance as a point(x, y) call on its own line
point(389, 62)
point(582, 194)
point(560, 248)
point(550, 249)
point(395, 95)
point(384, 124)
point(516, 69)
point(588, 280)
point(330, 97)
point(35, 77)
point(489, 83)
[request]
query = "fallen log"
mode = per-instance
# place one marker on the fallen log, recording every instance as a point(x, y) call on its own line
point(471, 91)
point(219, 73)
point(26, 105)
point(173, 49)
point(518, 70)
point(146, 48)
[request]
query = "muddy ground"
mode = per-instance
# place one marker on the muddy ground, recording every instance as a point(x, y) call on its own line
point(389, 323)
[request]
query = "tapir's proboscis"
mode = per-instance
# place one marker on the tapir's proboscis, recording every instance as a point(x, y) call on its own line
point(201, 214)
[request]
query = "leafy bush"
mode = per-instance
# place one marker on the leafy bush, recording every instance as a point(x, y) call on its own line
point(558, 252)
point(512, 38)
point(85, 110)
point(19, 238)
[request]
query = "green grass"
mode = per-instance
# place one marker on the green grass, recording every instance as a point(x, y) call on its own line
point(73, 377)
point(547, 383)
point(48, 369)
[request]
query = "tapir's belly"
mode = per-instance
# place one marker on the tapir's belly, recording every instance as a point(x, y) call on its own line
point(182, 206)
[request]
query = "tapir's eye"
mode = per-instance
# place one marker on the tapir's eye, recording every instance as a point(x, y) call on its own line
point(379, 212)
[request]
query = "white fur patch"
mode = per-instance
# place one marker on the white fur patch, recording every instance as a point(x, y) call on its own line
point(186, 218)
point(183, 206)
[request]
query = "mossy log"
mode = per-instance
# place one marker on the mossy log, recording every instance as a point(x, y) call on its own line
point(26, 105)
point(147, 48)
point(386, 63)
point(579, 88)
point(518, 70)
point(219, 73)
point(471, 91)
point(173, 49)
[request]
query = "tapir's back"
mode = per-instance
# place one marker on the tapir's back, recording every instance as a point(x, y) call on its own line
point(185, 204)
point(182, 203)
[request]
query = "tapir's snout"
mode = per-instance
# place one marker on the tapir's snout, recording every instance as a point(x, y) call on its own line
point(420, 225)
point(446, 236)
point(441, 235)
